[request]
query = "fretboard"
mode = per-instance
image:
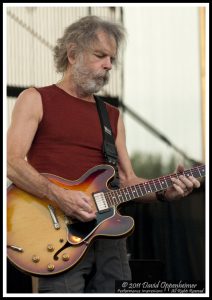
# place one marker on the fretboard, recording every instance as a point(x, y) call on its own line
point(119, 196)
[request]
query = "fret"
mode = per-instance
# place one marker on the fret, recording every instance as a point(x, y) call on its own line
point(138, 190)
point(196, 172)
point(163, 182)
point(147, 186)
point(134, 191)
point(107, 197)
point(127, 194)
point(158, 184)
point(121, 196)
point(169, 181)
point(170, 177)
point(153, 186)
point(144, 188)
point(201, 170)
point(188, 173)
point(141, 191)
point(130, 192)
point(115, 197)
point(180, 174)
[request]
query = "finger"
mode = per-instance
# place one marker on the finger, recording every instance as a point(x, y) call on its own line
point(190, 182)
point(85, 204)
point(187, 182)
point(178, 189)
point(195, 182)
point(85, 207)
point(86, 198)
point(179, 183)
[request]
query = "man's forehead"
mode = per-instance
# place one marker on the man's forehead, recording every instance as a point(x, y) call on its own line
point(105, 43)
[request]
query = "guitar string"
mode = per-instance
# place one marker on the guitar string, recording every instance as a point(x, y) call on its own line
point(197, 171)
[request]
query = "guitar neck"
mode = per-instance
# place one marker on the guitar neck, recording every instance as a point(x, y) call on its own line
point(122, 195)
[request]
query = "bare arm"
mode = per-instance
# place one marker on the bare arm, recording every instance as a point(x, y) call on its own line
point(128, 177)
point(26, 116)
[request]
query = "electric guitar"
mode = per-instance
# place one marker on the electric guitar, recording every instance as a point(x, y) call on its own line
point(43, 241)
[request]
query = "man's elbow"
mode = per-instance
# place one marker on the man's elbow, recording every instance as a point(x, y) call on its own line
point(10, 168)
point(12, 163)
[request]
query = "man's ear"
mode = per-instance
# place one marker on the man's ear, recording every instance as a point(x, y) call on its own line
point(71, 52)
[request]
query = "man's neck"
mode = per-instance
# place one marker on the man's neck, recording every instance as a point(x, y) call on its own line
point(73, 90)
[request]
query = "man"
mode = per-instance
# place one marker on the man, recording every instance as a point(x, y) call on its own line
point(57, 129)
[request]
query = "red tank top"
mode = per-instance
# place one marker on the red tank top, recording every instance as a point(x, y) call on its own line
point(69, 139)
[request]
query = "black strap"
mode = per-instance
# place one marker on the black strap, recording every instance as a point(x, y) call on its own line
point(109, 148)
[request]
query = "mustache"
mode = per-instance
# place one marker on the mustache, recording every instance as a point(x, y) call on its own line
point(103, 76)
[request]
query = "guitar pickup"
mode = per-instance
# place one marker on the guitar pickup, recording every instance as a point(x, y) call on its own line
point(101, 202)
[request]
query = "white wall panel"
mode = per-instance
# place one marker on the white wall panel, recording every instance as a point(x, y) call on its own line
point(32, 33)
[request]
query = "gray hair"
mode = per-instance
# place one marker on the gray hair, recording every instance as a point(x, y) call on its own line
point(83, 33)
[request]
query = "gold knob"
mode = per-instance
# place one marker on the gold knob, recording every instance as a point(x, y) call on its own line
point(35, 258)
point(65, 256)
point(50, 247)
point(50, 267)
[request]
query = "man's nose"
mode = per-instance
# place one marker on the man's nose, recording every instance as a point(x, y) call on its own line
point(107, 63)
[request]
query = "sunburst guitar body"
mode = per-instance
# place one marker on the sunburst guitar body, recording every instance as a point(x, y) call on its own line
point(42, 240)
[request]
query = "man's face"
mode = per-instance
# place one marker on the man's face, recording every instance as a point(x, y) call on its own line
point(91, 68)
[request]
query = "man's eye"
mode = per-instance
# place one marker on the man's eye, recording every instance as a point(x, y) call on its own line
point(99, 55)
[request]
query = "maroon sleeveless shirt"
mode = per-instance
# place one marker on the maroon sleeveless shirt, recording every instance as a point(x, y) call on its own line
point(69, 139)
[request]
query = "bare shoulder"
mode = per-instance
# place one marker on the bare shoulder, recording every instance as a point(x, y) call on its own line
point(30, 95)
point(29, 102)
point(121, 134)
point(121, 126)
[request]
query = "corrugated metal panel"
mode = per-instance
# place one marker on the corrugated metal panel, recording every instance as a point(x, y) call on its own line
point(31, 35)
point(10, 105)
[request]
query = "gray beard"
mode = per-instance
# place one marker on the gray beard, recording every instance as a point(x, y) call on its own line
point(89, 83)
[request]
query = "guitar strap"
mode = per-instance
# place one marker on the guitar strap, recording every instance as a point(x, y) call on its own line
point(109, 148)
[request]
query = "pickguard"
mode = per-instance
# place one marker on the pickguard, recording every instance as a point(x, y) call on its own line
point(83, 230)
